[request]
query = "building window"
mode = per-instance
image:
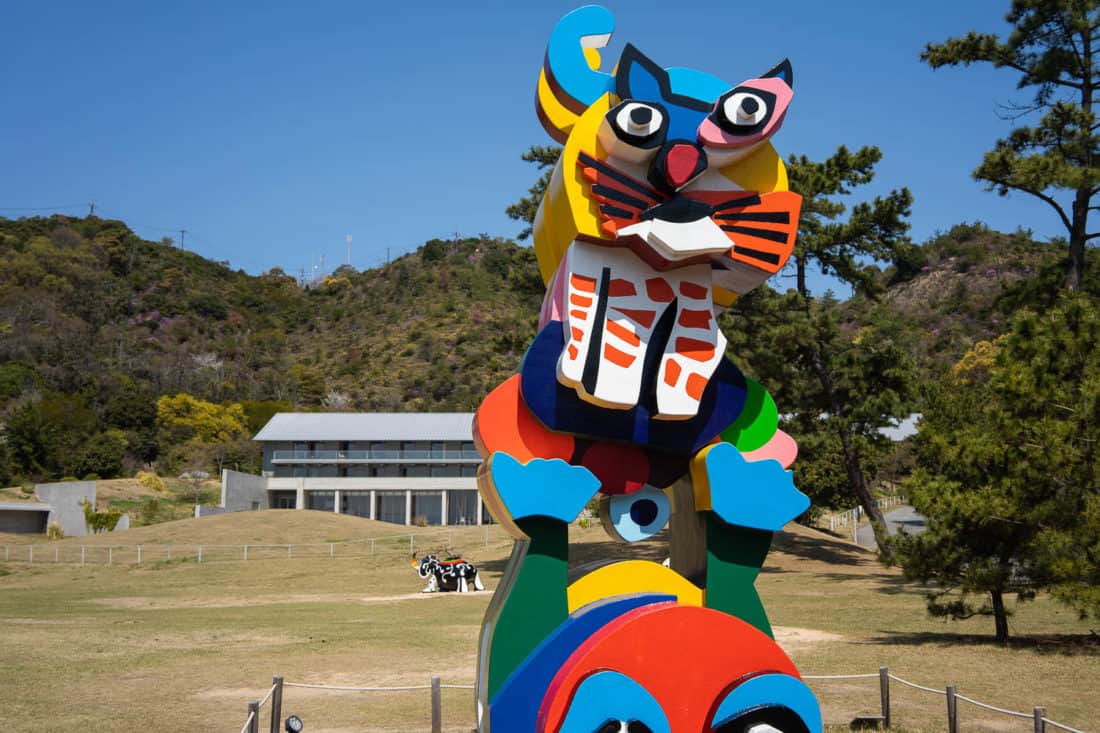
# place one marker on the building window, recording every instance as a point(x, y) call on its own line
point(469, 451)
point(469, 470)
point(439, 450)
point(461, 507)
point(427, 507)
point(414, 471)
point(356, 503)
point(443, 471)
point(324, 501)
point(282, 499)
point(390, 506)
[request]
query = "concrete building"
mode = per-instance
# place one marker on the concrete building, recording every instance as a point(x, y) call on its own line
point(61, 503)
point(406, 468)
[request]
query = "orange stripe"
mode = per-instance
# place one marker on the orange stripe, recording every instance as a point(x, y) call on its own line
point(619, 358)
point(624, 333)
point(579, 314)
point(620, 288)
point(580, 282)
point(573, 352)
point(695, 318)
point(639, 316)
point(659, 290)
point(694, 349)
point(580, 300)
point(692, 290)
point(578, 335)
point(672, 373)
point(695, 385)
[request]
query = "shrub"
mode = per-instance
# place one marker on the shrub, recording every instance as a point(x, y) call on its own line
point(151, 481)
point(421, 520)
point(54, 532)
point(90, 477)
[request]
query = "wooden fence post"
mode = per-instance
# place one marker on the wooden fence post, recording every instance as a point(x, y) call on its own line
point(200, 553)
point(139, 554)
point(277, 704)
point(1038, 714)
point(437, 707)
point(254, 712)
point(110, 555)
point(952, 711)
point(55, 555)
point(168, 549)
point(331, 548)
point(82, 554)
point(884, 694)
point(288, 551)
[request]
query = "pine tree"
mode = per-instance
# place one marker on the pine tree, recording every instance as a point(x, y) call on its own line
point(1054, 47)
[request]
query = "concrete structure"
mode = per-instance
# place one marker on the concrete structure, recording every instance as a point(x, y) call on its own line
point(58, 502)
point(406, 468)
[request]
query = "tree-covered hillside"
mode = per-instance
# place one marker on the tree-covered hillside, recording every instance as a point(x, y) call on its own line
point(99, 327)
point(96, 324)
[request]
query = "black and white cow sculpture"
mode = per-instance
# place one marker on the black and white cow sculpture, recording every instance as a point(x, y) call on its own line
point(446, 575)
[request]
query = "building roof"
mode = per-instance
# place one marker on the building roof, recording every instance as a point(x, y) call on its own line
point(361, 426)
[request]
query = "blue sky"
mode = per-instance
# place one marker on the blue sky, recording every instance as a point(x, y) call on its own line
point(272, 130)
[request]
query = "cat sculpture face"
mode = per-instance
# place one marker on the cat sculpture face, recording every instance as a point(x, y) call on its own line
point(672, 163)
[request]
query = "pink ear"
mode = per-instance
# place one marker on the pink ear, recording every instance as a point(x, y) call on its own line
point(713, 135)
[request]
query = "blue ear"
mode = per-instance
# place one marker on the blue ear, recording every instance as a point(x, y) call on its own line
point(637, 77)
point(782, 71)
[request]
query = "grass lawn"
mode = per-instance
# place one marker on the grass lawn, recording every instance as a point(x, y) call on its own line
point(175, 645)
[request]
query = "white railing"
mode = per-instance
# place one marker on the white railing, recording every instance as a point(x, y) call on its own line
point(118, 554)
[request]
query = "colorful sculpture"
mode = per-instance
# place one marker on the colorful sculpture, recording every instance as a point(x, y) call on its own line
point(446, 575)
point(668, 203)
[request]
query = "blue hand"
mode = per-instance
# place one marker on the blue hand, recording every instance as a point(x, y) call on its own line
point(541, 488)
point(756, 494)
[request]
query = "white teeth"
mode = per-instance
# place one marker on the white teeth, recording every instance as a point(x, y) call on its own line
point(679, 240)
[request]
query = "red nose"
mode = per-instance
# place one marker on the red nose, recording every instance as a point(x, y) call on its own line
point(681, 163)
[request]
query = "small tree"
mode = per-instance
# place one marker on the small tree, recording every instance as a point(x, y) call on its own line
point(855, 378)
point(195, 478)
point(1054, 46)
point(1007, 474)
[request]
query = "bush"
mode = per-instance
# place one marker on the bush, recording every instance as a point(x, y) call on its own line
point(421, 520)
point(150, 510)
point(90, 477)
point(54, 532)
point(151, 481)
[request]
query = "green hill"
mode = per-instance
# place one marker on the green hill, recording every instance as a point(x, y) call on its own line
point(97, 323)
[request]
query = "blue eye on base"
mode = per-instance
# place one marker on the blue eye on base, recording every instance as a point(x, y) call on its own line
point(636, 516)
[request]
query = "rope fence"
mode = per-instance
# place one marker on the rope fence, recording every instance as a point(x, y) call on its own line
point(115, 554)
point(1037, 716)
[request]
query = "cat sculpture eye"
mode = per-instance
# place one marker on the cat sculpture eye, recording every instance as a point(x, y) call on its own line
point(639, 124)
point(744, 111)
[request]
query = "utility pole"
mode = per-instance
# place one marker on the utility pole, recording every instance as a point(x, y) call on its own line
point(183, 233)
point(387, 255)
point(348, 263)
point(91, 208)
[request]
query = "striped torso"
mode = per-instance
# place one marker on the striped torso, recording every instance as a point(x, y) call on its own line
point(636, 334)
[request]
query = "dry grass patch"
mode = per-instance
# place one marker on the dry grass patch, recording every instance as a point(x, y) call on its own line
point(174, 645)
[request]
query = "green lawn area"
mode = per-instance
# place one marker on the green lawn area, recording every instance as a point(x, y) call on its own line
point(177, 645)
